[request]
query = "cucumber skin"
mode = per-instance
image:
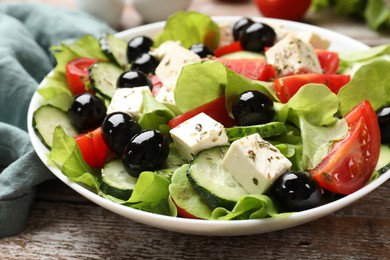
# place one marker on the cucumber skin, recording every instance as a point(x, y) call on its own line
point(115, 192)
point(210, 198)
point(265, 131)
point(36, 127)
point(384, 169)
point(94, 83)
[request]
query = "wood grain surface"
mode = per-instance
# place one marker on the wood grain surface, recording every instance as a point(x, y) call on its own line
point(64, 225)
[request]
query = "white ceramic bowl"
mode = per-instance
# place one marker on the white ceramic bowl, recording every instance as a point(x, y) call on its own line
point(214, 227)
point(159, 10)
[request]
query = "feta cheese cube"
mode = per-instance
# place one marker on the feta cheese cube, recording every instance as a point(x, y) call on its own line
point(291, 55)
point(174, 58)
point(255, 163)
point(315, 40)
point(198, 133)
point(128, 100)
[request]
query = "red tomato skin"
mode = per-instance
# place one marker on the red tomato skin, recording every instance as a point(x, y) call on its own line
point(287, 87)
point(215, 109)
point(255, 69)
point(351, 161)
point(77, 74)
point(329, 61)
point(283, 9)
point(182, 212)
point(223, 50)
point(93, 148)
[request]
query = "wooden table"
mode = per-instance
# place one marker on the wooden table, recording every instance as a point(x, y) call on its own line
point(64, 225)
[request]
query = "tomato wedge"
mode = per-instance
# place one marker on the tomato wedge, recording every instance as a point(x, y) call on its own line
point(226, 49)
point(215, 109)
point(329, 61)
point(77, 74)
point(286, 87)
point(93, 148)
point(255, 69)
point(351, 161)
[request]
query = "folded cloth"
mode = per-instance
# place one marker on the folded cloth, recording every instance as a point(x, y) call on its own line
point(26, 33)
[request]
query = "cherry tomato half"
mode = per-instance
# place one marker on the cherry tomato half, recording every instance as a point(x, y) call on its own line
point(283, 9)
point(351, 161)
point(77, 74)
point(286, 87)
point(93, 148)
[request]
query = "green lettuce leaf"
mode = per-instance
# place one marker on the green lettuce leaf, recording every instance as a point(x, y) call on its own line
point(249, 207)
point(151, 194)
point(153, 113)
point(377, 14)
point(313, 109)
point(66, 154)
point(371, 82)
point(54, 88)
point(190, 28)
point(212, 79)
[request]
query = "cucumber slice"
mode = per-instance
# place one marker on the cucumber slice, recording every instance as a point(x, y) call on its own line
point(46, 118)
point(212, 182)
point(103, 77)
point(116, 181)
point(265, 130)
point(115, 49)
point(186, 197)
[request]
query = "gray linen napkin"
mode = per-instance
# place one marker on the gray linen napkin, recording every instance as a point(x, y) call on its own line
point(26, 33)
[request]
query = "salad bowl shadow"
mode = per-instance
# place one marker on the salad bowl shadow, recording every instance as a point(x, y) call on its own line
point(212, 227)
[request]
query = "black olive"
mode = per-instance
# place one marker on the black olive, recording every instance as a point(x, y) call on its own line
point(253, 107)
point(202, 50)
point(257, 36)
point(138, 45)
point(132, 79)
point(118, 129)
point(86, 112)
point(145, 63)
point(295, 191)
point(147, 151)
point(240, 26)
point(383, 114)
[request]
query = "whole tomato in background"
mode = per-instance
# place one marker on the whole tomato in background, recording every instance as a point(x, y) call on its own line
point(283, 9)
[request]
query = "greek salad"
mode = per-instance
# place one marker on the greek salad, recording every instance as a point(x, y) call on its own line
point(217, 121)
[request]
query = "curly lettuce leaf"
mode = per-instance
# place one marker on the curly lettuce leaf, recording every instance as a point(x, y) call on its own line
point(249, 207)
point(153, 114)
point(66, 154)
point(190, 28)
point(313, 109)
point(371, 82)
point(212, 79)
point(151, 194)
